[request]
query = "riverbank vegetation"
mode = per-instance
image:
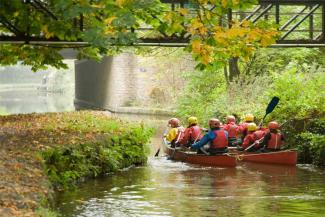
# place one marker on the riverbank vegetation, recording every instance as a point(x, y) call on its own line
point(43, 152)
point(296, 76)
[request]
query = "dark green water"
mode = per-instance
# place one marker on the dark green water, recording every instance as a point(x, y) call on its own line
point(166, 188)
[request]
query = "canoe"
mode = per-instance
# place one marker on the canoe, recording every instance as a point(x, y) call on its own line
point(224, 160)
point(285, 157)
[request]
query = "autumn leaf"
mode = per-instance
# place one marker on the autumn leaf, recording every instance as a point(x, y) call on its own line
point(224, 3)
point(46, 32)
point(120, 3)
point(183, 11)
point(109, 20)
point(196, 45)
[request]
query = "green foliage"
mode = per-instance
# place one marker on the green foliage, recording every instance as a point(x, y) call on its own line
point(106, 23)
point(266, 61)
point(110, 25)
point(201, 91)
point(299, 94)
point(311, 142)
point(296, 77)
point(65, 165)
point(44, 212)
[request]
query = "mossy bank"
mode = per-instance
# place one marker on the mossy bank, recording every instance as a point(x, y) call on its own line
point(41, 153)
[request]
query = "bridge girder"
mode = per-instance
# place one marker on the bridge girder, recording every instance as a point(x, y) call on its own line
point(262, 11)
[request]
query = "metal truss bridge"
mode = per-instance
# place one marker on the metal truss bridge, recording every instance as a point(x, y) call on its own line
point(301, 23)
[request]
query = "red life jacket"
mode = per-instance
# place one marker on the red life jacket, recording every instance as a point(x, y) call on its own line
point(195, 133)
point(243, 129)
point(221, 140)
point(248, 140)
point(232, 129)
point(275, 141)
point(259, 134)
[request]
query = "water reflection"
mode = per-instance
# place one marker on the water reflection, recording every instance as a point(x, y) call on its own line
point(166, 188)
point(33, 100)
point(24, 91)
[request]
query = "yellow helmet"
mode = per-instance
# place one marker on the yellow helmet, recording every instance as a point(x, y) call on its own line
point(249, 117)
point(192, 120)
point(251, 127)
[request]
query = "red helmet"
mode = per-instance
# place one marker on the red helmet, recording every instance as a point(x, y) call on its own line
point(174, 122)
point(273, 125)
point(214, 123)
point(231, 118)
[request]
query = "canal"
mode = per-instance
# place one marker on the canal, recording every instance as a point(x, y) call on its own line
point(167, 188)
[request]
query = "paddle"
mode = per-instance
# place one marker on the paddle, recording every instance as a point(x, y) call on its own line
point(261, 139)
point(157, 153)
point(254, 143)
point(270, 107)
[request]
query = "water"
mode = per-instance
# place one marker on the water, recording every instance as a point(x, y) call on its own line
point(24, 91)
point(167, 188)
point(32, 100)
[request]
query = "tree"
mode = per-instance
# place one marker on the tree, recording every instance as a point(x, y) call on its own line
point(107, 26)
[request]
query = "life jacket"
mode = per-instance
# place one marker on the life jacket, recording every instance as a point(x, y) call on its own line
point(243, 128)
point(259, 134)
point(179, 135)
point(195, 134)
point(221, 140)
point(248, 140)
point(232, 129)
point(275, 141)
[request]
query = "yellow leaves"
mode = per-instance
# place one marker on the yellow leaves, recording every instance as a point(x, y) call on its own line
point(183, 11)
point(235, 2)
point(109, 29)
point(266, 41)
point(109, 20)
point(100, 5)
point(253, 35)
point(16, 14)
point(169, 16)
point(120, 3)
point(224, 3)
point(46, 32)
point(203, 31)
point(236, 32)
point(197, 27)
point(203, 1)
point(208, 15)
point(206, 53)
point(196, 45)
point(246, 23)
point(196, 23)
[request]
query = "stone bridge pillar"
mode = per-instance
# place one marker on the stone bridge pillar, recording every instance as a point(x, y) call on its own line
point(108, 84)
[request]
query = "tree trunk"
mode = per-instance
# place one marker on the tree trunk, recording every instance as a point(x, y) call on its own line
point(234, 71)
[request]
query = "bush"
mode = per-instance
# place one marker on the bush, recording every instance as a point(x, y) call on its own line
point(65, 165)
